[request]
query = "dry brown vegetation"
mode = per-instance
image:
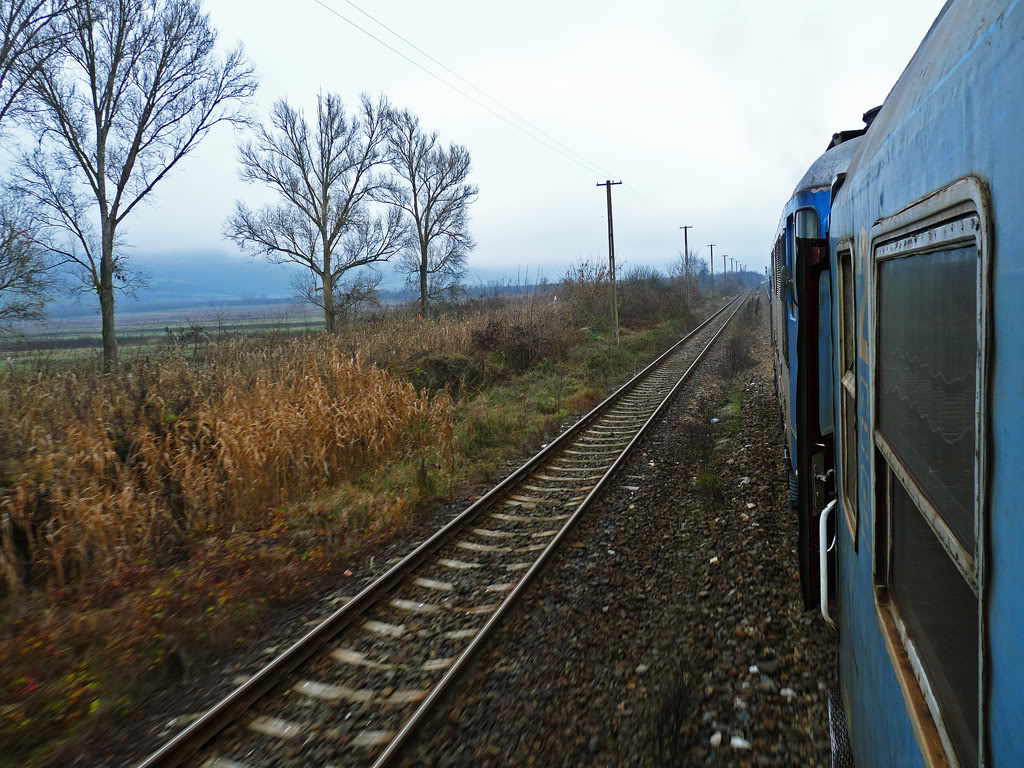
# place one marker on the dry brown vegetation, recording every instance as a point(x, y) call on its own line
point(435, 352)
point(100, 472)
point(103, 472)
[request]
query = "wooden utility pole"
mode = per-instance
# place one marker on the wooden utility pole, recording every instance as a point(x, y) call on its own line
point(608, 184)
point(724, 257)
point(711, 261)
point(686, 262)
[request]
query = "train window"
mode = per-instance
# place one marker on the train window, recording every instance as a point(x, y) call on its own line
point(848, 313)
point(927, 366)
point(940, 612)
point(848, 390)
point(927, 356)
point(807, 224)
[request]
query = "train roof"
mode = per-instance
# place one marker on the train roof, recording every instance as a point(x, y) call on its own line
point(958, 28)
point(824, 170)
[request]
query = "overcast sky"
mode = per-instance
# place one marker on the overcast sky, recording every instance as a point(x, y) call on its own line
point(709, 112)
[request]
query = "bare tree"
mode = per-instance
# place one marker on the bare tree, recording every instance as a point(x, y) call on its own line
point(326, 182)
point(24, 282)
point(700, 272)
point(684, 269)
point(434, 193)
point(134, 87)
point(679, 271)
point(29, 36)
point(354, 290)
point(65, 230)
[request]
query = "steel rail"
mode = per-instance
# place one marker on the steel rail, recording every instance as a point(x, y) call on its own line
point(453, 671)
point(189, 741)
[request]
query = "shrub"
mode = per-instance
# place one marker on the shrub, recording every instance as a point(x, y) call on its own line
point(585, 290)
point(450, 373)
point(646, 297)
point(517, 330)
point(518, 345)
point(737, 353)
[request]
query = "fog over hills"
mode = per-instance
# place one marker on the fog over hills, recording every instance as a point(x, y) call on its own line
point(202, 278)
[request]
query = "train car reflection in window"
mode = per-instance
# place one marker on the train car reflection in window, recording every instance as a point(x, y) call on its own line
point(848, 388)
point(928, 325)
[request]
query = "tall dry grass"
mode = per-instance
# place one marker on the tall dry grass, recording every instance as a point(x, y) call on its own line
point(102, 471)
point(105, 471)
point(392, 339)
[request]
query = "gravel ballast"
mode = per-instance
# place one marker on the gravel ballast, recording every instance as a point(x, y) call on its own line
point(668, 629)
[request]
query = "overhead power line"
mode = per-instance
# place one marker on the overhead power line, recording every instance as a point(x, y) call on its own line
point(553, 144)
point(479, 90)
point(585, 165)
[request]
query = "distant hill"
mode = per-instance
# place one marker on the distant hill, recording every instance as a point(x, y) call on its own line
point(219, 278)
point(194, 279)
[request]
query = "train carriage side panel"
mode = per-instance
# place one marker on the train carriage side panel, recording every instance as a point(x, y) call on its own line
point(946, 148)
point(804, 352)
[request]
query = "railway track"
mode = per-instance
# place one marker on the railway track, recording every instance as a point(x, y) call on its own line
point(352, 690)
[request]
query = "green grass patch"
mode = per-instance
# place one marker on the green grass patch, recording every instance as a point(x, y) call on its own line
point(732, 412)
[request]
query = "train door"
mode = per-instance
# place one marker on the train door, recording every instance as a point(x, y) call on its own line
point(814, 460)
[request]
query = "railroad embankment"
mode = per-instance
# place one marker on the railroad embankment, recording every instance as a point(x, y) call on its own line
point(669, 631)
point(184, 515)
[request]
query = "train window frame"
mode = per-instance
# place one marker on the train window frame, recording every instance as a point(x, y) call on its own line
point(933, 223)
point(848, 443)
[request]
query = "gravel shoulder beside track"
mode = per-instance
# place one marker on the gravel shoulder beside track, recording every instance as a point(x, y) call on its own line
point(669, 615)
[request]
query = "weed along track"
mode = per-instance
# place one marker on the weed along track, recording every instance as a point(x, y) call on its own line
point(354, 688)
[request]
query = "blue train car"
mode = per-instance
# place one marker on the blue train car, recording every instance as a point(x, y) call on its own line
point(923, 276)
point(806, 378)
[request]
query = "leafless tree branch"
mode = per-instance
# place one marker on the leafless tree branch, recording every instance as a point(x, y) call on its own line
point(432, 191)
point(133, 87)
point(29, 37)
point(24, 271)
point(324, 175)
